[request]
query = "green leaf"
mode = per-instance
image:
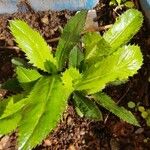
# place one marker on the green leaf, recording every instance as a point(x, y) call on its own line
point(75, 57)
point(129, 4)
point(9, 124)
point(86, 107)
point(106, 101)
point(31, 42)
point(122, 64)
point(95, 47)
point(70, 37)
point(119, 1)
point(69, 77)
point(13, 108)
point(11, 105)
point(10, 114)
point(131, 104)
point(3, 104)
point(25, 75)
point(48, 100)
point(126, 26)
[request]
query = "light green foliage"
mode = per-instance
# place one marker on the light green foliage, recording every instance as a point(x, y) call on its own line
point(47, 88)
point(141, 108)
point(10, 113)
point(69, 77)
point(86, 107)
point(126, 26)
point(131, 105)
point(124, 63)
point(45, 109)
point(27, 75)
point(112, 2)
point(70, 37)
point(75, 57)
point(148, 117)
point(38, 113)
point(145, 114)
point(36, 49)
point(119, 1)
point(9, 124)
point(96, 47)
point(129, 4)
point(110, 105)
point(13, 107)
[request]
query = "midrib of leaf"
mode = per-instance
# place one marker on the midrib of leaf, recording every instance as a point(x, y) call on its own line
point(43, 109)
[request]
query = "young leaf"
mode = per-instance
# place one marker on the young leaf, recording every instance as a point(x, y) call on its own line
point(3, 104)
point(127, 25)
point(75, 57)
point(95, 47)
point(31, 42)
point(9, 102)
point(69, 77)
point(13, 107)
point(122, 64)
point(10, 113)
point(9, 124)
point(86, 107)
point(25, 75)
point(119, 1)
point(106, 101)
point(43, 112)
point(70, 37)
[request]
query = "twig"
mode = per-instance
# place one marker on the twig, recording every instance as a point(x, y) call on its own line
point(9, 47)
point(53, 40)
point(102, 28)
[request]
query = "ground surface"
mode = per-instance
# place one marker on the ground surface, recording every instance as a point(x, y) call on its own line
point(76, 133)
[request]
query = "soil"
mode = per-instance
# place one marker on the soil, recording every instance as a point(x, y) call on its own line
point(75, 133)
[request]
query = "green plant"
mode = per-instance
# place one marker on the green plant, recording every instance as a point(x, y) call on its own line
point(131, 105)
point(80, 72)
point(145, 114)
point(127, 3)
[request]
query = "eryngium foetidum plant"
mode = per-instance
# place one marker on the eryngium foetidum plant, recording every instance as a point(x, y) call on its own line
point(77, 71)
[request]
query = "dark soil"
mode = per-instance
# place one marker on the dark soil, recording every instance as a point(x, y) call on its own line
point(75, 133)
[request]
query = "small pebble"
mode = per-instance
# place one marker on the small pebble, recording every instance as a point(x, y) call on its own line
point(3, 142)
point(69, 120)
point(45, 20)
point(82, 132)
point(47, 143)
point(71, 147)
point(139, 131)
